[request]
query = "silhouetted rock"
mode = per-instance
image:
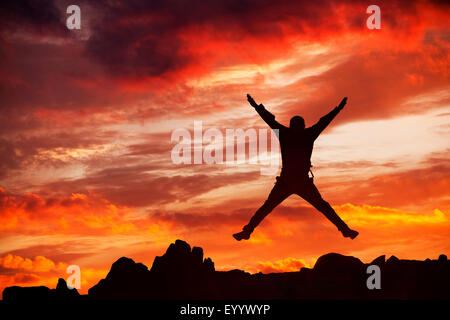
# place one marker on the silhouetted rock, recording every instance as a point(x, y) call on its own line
point(122, 281)
point(26, 294)
point(392, 259)
point(179, 273)
point(62, 292)
point(334, 262)
point(336, 275)
point(379, 261)
point(184, 273)
point(208, 265)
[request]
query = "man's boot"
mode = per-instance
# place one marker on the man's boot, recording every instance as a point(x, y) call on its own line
point(349, 233)
point(244, 234)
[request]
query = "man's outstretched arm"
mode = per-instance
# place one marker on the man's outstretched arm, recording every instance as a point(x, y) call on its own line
point(326, 119)
point(266, 115)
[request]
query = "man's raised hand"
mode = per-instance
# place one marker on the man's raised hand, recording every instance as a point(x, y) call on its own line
point(251, 101)
point(343, 103)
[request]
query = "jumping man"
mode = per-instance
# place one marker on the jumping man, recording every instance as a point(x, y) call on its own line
point(296, 144)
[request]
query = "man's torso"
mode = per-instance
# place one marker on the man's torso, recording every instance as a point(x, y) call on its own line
point(296, 150)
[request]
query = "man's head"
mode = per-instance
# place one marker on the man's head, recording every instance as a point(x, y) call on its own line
point(297, 123)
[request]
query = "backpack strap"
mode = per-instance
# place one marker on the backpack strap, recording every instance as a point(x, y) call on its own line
point(310, 171)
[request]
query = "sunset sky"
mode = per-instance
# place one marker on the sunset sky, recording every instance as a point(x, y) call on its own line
point(86, 118)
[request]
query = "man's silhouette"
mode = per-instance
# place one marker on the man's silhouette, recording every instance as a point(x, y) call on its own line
point(296, 144)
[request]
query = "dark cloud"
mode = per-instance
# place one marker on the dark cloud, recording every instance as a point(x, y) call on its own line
point(226, 215)
point(21, 152)
point(200, 221)
point(139, 39)
point(135, 38)
point(37, 17)
point(143, 185)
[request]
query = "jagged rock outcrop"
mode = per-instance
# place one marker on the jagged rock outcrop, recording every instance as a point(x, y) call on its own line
point(338, 276)
point(381, 260)
point(183, 273)
point(126, 279)
point(179, 273)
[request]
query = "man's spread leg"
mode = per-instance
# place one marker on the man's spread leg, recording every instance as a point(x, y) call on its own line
point(279, 192)
point(309, 192)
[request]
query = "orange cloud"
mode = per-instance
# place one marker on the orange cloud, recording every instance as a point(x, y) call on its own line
point(283, 265)
point(16, 270)
point(24, 279)
point(377, 216)
point(74, 214)
point(39, 264)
